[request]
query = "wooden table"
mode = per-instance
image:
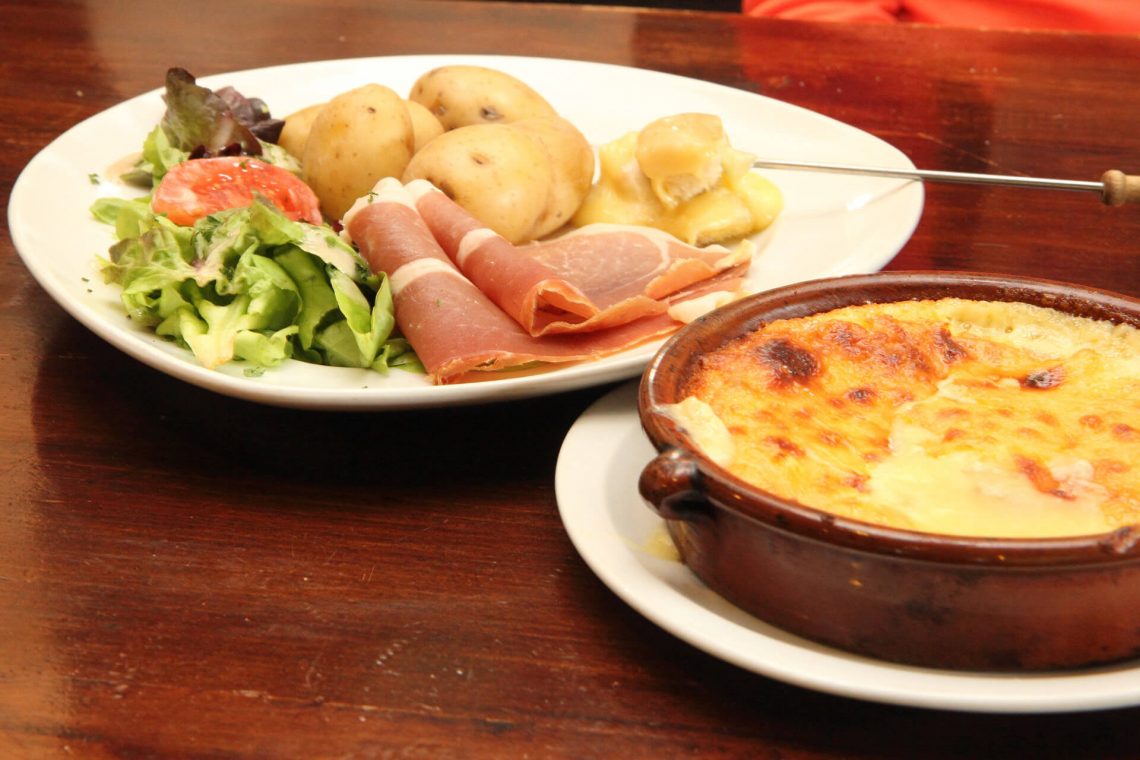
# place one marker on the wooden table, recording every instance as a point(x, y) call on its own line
point(185, 574)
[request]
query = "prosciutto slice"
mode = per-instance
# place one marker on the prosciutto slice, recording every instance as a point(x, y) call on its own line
point(591, 279)
point(453, 326)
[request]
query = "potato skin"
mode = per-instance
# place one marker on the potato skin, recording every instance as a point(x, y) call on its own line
point(463, 95)
point(572, 160)
point(502, 176)
point(295, 133)
point(358, 137)
point(424, 124)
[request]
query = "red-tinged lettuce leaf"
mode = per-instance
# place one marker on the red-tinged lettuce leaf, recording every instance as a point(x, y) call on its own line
point(199, 121)
point(252, 112)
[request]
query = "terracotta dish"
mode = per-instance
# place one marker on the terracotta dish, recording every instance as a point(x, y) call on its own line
point(918, 598)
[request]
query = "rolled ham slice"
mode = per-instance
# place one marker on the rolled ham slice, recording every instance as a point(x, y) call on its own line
point(591, 279)
point(455, 329)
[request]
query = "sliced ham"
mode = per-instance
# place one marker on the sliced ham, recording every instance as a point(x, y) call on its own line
point(591, 279)
point(453, 326)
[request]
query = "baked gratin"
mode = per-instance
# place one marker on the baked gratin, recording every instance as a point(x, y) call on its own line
point(951, 416)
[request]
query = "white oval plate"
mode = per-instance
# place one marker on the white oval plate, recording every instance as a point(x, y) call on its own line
point(612, 528)
point(832, 225)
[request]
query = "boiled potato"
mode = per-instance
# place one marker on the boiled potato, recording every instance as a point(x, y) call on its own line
point(424, 124)
point(572, 159)
point(359, 137)
point(295, 133)
point(463, 95)
point(502, 176)
point(296, 130)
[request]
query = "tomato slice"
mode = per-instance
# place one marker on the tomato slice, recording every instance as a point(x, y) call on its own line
point(202, 186)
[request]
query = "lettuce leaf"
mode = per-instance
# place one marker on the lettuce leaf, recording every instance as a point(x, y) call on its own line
point(198, 119)
point(249, 284)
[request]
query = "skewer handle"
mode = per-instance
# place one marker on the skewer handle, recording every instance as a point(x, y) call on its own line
point(1120, 188)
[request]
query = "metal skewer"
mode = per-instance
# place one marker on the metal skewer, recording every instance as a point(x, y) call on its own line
point(1115, 187)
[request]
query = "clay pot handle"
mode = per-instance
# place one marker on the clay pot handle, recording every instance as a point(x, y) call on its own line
point(671, 484)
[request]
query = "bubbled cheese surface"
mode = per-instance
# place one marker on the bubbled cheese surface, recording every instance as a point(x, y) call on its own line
point(958, 417)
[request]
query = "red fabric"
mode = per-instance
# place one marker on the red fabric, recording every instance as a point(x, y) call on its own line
point(1120, 17)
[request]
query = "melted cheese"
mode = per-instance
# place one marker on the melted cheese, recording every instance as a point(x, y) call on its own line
point(707, 430)
point(950, 416)
point(681, 175)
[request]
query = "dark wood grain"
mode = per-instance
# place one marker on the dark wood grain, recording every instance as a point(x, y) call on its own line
point(183, 574)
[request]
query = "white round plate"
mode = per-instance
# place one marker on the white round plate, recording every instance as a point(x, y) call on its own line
point(614, 530)
point(831, 225)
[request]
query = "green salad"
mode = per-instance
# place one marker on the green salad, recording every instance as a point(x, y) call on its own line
point(247, 283)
